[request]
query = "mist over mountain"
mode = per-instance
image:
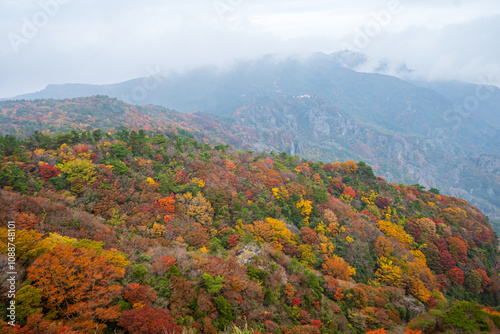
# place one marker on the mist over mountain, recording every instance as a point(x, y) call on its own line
point(437, 134)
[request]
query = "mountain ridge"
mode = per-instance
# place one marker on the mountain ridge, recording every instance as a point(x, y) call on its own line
point(433, 142)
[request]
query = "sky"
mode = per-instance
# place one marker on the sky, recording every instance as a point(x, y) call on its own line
point(107, 41)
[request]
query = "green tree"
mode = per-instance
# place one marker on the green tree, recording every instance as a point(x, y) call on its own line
point(434, 191)
point(213, 284)
point(13, 176)
point(97, 135)
point(467, 316)
point(9, 145)
point(28, 300)
point(226, 316)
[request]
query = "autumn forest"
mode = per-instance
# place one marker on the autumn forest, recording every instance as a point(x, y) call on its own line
point(142, 230)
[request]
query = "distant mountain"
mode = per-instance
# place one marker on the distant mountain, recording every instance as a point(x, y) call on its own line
point(321, 108)
point(477, 101)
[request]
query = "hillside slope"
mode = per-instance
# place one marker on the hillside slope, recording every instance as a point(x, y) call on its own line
point(114, 230)
point(418, 132)
point(309, 126)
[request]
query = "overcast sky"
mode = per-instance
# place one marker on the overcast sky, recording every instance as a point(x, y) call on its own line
point(108, 41)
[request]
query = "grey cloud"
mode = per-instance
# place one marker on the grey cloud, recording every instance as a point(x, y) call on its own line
point(114, 40)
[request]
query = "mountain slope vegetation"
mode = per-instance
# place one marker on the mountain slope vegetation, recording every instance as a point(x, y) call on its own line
point(309, 126)
point(130, 231)
point(438, 134)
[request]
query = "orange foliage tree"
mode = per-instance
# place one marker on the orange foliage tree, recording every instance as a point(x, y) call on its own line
point(458, 249)
point(37, 325)
point(337, 268)
point(163, 264)
point(349, 167)
point(383, 247)
point(27, 220)
point(273, 231)
point(76, 286)
point(168, 204)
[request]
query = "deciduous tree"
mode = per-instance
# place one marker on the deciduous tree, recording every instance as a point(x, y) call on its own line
point(149, 320)
point(139, 294)
point(76, 286)
point(337, 268)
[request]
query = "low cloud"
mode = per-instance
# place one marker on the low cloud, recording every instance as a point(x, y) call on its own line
point(111, 41)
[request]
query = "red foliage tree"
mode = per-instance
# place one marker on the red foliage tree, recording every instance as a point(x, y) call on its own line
point(183, 294)
point(163, 264)
point(136, 293)
point(486, 281)
point(291, 250)
point(441, 244)
point(456, 276)
point(349, 191)
point(442, 281)
point(233, 240)
point(382, 202)
point(316, 323)
point(302, 330)
point(37, 325)
point(149, 320)
point(337, 184)
point(309, 236)
point(446, 261)
point(168, 204)
point(47, 172)
point(81, 149)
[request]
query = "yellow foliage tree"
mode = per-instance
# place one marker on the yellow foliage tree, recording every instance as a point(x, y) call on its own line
point(158, 230)
point(281, 193)
point(29, 244)
point(417, 288)
point(79, 168)
point(307, 255)
point(427, 226)
point(199, 208)
point(389, 273)
point(395, 231)
point(305, 208)
point(325, 248)
point(321, 229)
point(317, 178)
point(273, 231)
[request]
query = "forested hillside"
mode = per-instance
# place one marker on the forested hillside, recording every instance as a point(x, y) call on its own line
point(24, 118)
point(154, 232)
point(312, 127)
